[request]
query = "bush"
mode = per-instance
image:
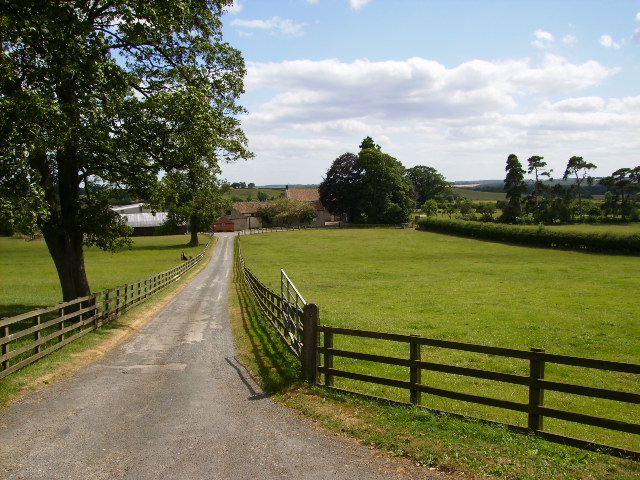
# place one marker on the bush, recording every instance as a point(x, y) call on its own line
point(541, 237)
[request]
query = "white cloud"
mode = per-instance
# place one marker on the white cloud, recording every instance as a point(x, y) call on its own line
point(308, 92)
point(608, 42)
point(463, 120)
point(569, 39)
point(274, 24)
point(358, 4)
point(557, 75)
point(636, 32)
point(577, 105)
point(543, 39)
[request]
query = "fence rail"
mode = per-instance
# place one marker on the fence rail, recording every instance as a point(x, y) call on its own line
point(317, 341)
point(30, 336)
point(285, 312)
point(333, 225)
point(534, 381)
point(295, 320)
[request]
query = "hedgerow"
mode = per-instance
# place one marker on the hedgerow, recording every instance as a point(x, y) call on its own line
point(540, 237)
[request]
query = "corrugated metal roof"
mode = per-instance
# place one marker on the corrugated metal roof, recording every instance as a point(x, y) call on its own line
point(145, 219)
point(133, 208)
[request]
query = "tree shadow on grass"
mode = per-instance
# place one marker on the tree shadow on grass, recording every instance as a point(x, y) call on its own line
point(277, 368)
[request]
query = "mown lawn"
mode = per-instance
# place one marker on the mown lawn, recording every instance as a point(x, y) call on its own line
point(439, 286)
point(28, 279)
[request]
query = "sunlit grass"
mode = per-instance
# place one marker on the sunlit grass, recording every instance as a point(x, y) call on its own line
point(28, 279)
point(452, 288)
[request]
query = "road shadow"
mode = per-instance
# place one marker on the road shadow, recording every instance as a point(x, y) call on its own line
point(247, 378)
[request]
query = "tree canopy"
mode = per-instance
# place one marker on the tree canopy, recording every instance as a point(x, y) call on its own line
point(515, 187)
point(578, 168)
point(108, 94)
point(428, 183)
point(340, 189)
point(194, 197)
point(536, 166)
point(624, 189)
point(370, 187)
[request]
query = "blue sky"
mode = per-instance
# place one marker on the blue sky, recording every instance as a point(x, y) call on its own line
point(453, 84)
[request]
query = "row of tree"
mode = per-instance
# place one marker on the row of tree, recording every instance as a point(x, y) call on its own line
point(374, 187)
point(546, 203)
point(243, 185)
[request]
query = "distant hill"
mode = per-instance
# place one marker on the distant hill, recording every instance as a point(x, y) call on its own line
point(473, 183)
point(291, 185)
point(477, 195)
point(498, 186)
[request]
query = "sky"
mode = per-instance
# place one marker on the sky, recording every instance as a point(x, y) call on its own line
point(457, 85)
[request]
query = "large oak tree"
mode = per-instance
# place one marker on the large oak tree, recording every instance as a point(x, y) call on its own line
point(370, 187)
point(102, 92)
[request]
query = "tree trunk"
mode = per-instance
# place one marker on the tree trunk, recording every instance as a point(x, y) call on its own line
point(63, 231)
point(68, 256)
point(193, 227)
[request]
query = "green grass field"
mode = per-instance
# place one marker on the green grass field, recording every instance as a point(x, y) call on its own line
point(477, 195)
point(251, 194)
point(439, 286)
point(28, 279)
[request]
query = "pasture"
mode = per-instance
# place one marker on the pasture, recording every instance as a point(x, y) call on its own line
point(403, 281)
point(28, 278)
point(251, 194)
point(478, 195)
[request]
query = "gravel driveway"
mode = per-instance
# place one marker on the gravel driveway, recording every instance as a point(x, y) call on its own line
point(173, 402)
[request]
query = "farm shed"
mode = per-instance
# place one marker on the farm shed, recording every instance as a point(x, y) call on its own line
point(223, 224)
point(143, 221)
point(243, 215)
point(312, 195)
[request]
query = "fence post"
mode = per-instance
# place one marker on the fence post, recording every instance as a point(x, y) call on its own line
point(5, 346)
point(310, 340)
point(328, 358)
point(536, 393)
point(61, 337)
point(106, 305)
point(415, 372)
point(36, 334)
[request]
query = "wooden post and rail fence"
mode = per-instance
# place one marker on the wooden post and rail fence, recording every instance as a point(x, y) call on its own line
point(28, 337)
point(298, 324)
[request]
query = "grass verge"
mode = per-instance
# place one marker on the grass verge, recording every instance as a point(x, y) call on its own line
point(468, 449)
point(89, 348)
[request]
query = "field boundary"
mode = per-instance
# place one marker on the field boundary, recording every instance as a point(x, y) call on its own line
point(541, 237)
point(318, 344)
point(27, 337)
